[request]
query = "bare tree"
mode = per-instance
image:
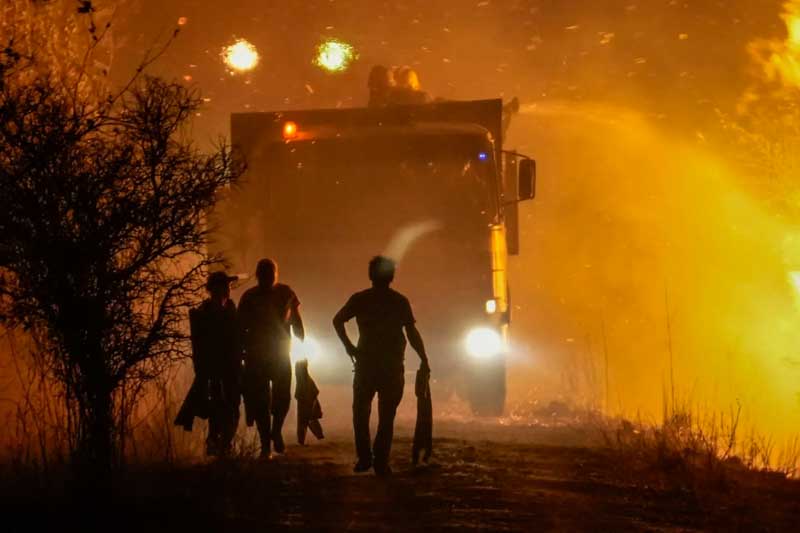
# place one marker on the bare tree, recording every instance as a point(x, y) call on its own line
point(102, 235)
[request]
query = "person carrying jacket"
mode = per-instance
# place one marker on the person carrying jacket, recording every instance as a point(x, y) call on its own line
point(217, 358)
point(268, 315)
point(382, 314)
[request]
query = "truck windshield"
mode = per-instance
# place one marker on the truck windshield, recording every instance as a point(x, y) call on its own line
point(337, 190)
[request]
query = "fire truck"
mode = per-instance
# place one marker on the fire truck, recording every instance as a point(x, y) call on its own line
point(429, 185)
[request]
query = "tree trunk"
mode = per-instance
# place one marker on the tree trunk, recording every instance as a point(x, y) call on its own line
point(95, 454)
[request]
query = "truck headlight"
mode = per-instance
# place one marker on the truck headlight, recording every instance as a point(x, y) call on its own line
point(305, 349)
point(491, 306)
point(483, 343)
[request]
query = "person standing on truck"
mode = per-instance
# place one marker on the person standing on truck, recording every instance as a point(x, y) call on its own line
point(407, 90)
point(381, 314)
point(268, 315)
point(217, 358)
point(380, 84)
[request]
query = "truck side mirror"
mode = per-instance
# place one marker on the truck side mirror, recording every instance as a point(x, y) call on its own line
point(526, 188)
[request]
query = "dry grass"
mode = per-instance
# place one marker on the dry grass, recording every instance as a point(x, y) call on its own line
point(686, 442)
point(687, 447)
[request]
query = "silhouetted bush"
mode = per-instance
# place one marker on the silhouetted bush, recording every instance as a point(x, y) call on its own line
point(103, 237)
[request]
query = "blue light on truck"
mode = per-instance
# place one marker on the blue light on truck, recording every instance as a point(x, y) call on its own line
point(483, 156)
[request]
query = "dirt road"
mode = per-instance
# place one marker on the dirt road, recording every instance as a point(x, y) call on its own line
point(484, 477)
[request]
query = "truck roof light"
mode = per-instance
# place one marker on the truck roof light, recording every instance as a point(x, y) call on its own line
point(483, 156)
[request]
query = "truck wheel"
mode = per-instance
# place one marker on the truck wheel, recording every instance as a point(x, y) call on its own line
point(487, 388)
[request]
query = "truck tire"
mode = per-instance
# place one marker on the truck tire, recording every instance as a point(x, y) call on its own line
point(486, 388)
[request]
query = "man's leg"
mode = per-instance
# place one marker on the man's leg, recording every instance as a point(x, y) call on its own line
point(259, 393)
point(389, 395)
point(281, 399)
point(216, 417)
point(363, 392)
point(232, 396)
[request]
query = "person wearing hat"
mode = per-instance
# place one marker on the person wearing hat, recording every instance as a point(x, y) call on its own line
point(268, 315)
point(217, 358)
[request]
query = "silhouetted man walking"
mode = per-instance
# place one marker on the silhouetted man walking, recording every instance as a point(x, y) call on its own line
point(381, 314)
point(217, 358)
point(268, 314)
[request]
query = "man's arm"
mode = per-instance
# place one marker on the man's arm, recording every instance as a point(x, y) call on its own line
point(243, 317)
point(296, 322)
point(196, 331)
point(235, 334)
point(339, 320)
point(415, 340)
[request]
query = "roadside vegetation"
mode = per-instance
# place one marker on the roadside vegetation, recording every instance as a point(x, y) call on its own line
point(102, 251)
point(103, 206)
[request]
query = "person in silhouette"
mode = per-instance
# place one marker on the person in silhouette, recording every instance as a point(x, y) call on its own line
point(407, 89)
point(268, 315)
point(380, 84)
point(381, 314)
point(217, 357)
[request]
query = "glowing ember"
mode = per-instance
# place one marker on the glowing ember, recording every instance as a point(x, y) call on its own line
point(241, 56)
point(335, 56)
point(289, 130)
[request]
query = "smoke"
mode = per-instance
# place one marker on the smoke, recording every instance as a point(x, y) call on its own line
point(645, 247)
point(779, 59)
point(406, 236)
point(644, 251)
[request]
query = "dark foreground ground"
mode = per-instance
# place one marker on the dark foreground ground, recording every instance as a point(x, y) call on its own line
point(501, 479)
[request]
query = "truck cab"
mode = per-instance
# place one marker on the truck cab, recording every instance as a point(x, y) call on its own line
point(428, 185)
